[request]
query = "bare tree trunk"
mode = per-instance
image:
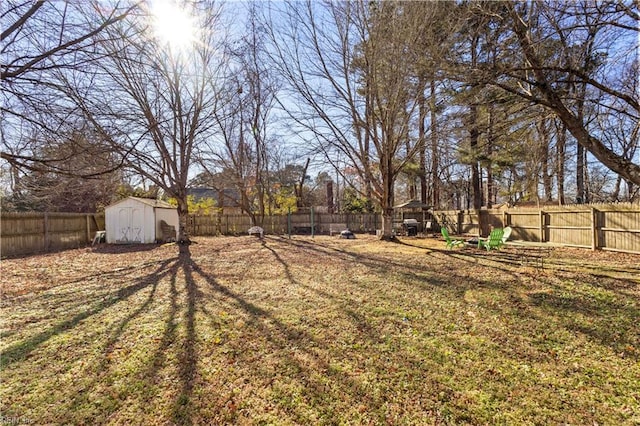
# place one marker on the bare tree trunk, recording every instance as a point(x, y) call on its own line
point(183, 220)
point(543, 129)
point(475, 169)
point(587, 191)
point(435, 158)
point(300, 186)
point(423, 175)
point(411, 176)
point(330, 207)
point(366, 151)
point(387, 198)
point(560, 161)
point(580, 195)
point(474, 134)
point(490, 142)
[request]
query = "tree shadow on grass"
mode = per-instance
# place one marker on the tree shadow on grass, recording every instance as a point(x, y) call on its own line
point(124, 248)
point(171, 271)
point(383, 333)
point(283, 339)
point(610, 323)
point(181, 412)
point(22, 349)
point(416, 268)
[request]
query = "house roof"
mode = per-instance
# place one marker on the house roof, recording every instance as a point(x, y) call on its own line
point(231, 198)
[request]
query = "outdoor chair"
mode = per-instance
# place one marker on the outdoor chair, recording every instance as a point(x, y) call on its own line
point(506, 234)
point(495, 240)
point(428, 227)
point(168, 232)
point(451, 243)
point(100, 237)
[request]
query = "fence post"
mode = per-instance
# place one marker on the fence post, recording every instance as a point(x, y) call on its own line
point(541, 224)
point(46, 231)
point(312, 224)
point(88, 228)
point(594, 229)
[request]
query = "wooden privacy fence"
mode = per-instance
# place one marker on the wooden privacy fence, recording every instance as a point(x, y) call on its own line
point(26, 233)
point(603, 226)
point(299, 222)
point(608, 227)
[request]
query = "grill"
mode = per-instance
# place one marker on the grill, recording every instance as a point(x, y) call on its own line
point(410, 227)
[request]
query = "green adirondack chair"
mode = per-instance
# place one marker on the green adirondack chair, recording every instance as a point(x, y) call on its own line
point(495, 240)
point(450, 242)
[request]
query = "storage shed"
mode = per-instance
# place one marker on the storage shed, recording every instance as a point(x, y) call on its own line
point(139, 220)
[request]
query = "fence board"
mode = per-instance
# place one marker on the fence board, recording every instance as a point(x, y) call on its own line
point(279, 224)
point(619, 229)
point(27, 233)
point(608, 227)
point(599, 226)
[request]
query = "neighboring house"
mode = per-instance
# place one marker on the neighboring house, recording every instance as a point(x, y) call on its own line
point(139, 220)
point(227, 200)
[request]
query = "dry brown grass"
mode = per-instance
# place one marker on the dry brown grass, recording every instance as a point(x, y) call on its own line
point(319, 331)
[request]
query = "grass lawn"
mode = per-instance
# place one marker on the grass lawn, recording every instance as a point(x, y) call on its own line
point(319, 331)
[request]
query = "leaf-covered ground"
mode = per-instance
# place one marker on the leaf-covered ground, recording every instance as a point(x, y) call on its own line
point(319, 331)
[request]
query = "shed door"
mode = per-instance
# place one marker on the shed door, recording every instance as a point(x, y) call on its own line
point(130, 230)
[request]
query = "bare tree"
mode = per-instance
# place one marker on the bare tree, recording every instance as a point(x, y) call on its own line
point(38, 39)
point(150, 100)
point(244, 140)
point(230, 153)
point(51, 190)
point(350, 87)
point(538, 77)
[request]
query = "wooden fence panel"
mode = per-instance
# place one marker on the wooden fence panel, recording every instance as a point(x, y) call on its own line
point(619, 229)
point(203, 225)
point(22, 233)
point(569, 227)
point(27, 233)
point(365, 222)
point(608, 227)
point(525, 225)
point(448, 219)
point(279, 224)
point(66, 231)
point(235, 224)
point(275, 225)
point(470, 222)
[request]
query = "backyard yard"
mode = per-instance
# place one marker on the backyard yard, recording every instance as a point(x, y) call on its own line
point(235, 330)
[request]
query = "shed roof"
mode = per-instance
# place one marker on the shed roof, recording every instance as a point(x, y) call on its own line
point(159, 204)
point(412, 204)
